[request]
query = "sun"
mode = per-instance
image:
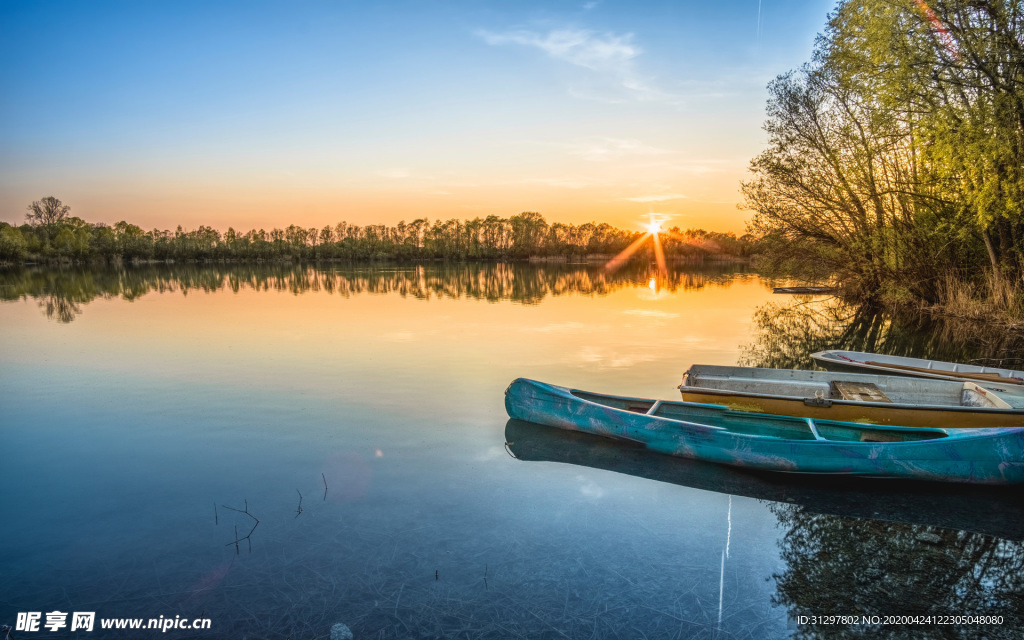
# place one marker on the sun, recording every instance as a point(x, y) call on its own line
point(654, 231)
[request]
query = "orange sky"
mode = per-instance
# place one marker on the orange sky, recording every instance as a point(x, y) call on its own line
point(387, 200)
point(163, 115)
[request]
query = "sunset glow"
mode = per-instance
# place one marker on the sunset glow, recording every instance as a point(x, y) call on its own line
point(274, 114)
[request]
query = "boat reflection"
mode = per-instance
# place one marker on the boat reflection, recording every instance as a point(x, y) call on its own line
point(985, 510)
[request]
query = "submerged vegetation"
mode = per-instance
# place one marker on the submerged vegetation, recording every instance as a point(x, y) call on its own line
point(895, 160)
point(51, 235)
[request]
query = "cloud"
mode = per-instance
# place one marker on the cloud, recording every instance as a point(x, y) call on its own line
point(394, 173)
point(612, 148)
point(580, 47)
point(657, 198)
point(567, 183)
point(609, 55)
point(710, 165)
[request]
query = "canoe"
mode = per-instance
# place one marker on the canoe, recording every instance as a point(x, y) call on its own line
point(853, 397)
point(715, 433)
point(860, 362)
point(993, 511)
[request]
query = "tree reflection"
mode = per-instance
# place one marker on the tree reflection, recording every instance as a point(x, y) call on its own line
point(59, 308)
point(62, 292)
point(850, 546)
point(785, 335)
point(840, 566)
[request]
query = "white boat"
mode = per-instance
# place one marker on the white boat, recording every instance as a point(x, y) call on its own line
point(853, 397)
point(861, 362)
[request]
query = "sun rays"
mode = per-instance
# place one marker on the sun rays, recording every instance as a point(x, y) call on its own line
point(654, 231)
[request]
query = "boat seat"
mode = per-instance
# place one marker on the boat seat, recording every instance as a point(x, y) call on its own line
point(859, 391)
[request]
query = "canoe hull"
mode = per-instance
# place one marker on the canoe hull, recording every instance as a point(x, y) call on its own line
point(986, 456)
point(873, 413)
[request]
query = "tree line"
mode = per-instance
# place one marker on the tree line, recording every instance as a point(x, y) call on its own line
point(895, 158)
point(51, 234)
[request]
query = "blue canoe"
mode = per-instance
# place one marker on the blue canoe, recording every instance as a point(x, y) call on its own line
point(777, 443)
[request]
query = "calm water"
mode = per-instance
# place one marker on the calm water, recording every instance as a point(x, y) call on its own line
point(357, 415)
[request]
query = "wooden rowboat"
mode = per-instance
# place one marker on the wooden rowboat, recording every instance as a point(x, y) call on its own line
point(852, 397)
point(777, 443)
point(860, 362)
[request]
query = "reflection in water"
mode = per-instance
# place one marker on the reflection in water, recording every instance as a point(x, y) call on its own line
point(784, 334)
point(838, 566)
point(61, 292)
point(787, 334)
point(851, 547)
point(60, 308)
point(985, 510)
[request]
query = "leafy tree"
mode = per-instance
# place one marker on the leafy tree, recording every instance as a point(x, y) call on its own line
point(897, 154)
point(13, 246)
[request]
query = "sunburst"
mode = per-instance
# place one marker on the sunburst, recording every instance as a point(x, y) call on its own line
point(654, 232)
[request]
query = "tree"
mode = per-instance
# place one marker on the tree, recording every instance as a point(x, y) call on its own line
point(13, 246)
point(897, 155)
point(47, 211)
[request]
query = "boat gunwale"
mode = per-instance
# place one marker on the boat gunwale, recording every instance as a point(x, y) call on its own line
point(856, 403)
point(942, 434)
point(829, 355)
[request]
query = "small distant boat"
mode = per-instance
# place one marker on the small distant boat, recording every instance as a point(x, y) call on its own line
point(805, 290)
point(860, 362)
point(777, 443)
point(857, 397)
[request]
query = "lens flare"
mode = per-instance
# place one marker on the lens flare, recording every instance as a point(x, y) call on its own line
point(654, 232)
point(940, 29)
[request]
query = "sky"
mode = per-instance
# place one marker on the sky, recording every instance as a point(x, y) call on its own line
point(264, 114)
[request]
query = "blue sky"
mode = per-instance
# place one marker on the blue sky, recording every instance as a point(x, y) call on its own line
point(256, 114)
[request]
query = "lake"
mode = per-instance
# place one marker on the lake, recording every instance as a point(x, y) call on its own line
point(281, 448)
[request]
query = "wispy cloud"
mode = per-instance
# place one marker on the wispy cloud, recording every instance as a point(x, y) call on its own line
point(657, 198)
point(609, 55)
point(612, 148)
point(708, 165)
point(566, 183)
point(577, 46)
point(394, 173)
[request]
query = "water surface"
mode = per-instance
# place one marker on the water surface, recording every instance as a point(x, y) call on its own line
point(357, 414)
